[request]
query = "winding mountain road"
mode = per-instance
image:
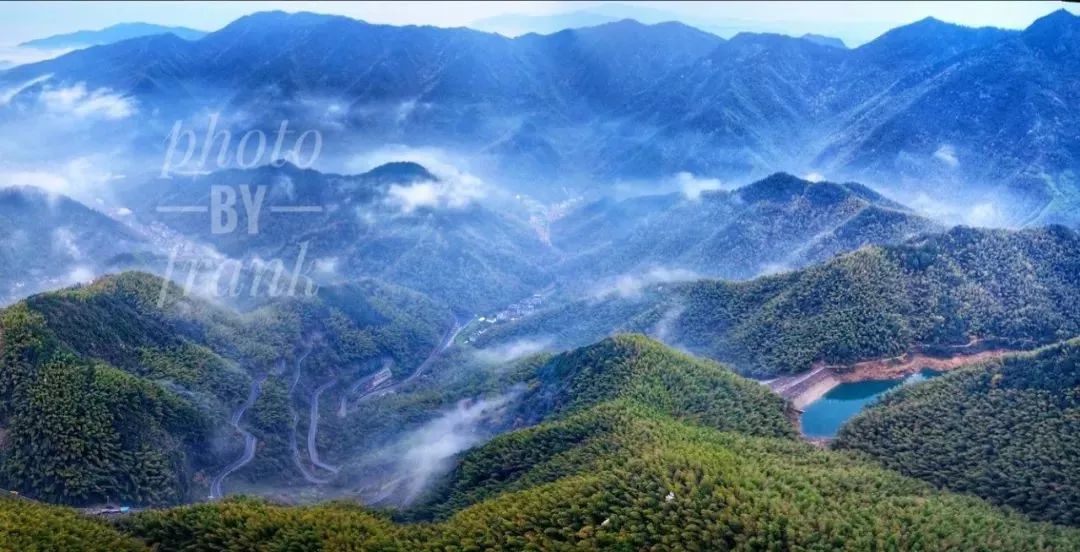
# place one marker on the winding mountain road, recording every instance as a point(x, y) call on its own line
point(249, 440)
point(313, 428)
point(294, 443)
point(448, 340)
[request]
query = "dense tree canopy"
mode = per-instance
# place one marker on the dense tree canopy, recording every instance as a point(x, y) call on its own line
point(111, 395)
point(615, 468)
point(1008, 430)
point(937, 293)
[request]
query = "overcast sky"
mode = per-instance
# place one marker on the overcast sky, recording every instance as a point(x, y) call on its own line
point(855, 22)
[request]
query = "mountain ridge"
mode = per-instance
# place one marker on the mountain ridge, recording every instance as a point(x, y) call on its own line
point(110, 34)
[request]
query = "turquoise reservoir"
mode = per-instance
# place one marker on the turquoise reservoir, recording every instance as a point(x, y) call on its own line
point(823, 418)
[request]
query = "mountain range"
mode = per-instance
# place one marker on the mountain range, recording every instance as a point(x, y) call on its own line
point(113, 33)
point(962, 289)
point(544, 292)
point(915, 112)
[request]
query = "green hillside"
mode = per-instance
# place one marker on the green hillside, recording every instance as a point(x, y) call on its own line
point(937, 293)
point(1007, 431)
point(27, 525)
point(109, 395)
point(614, 472)
point(637, 369)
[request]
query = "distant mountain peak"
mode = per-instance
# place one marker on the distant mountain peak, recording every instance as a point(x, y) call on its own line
point(782, 186)
point(111, 34)
point(401, 170)
point(823, 40)
point(1059, 15)
point(1059, 30)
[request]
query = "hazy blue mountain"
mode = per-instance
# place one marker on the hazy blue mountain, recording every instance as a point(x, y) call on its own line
point(52, 241)
point(824, 40)
point(914, 111)
point(516, 24)
point(746, 107)
point(398, 223)
point(108, 35)
point(938, 124)
point(779, 223)
point(599, 14)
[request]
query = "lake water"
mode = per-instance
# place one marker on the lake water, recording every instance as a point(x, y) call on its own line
point(824, 417)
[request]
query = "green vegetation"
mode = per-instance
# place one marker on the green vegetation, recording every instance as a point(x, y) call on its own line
point(81, 431)
point(640, 370)
point(1012, 288)
point(936, 293)
point(28, 526)
point(610, 472)
point(1007, 431)
point(110, 396)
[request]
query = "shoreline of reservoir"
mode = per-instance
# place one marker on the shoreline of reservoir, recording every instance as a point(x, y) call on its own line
point(802, 390)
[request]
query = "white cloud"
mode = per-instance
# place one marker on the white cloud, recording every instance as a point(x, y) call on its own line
point(631, 285)
point(9, 94)
point(64, 242)
point(814, 177)
point(21, 56)
point(455, 188)
point(451, 194)
point(80, 275)
point(76, 100)
point(431, 448)
point(984, 214)
point(509, 352)
point(83, 178)
point(326, 265)
point(692, 187)
point(947, 154)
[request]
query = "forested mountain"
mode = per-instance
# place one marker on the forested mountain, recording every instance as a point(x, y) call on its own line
point(965, 288)
point(778, 223)
point(629, 472)
point(577, 110)
point(1005, 431)
point(635, 368)
point(111, 395)
point(52, 241)
point(397, 222)
point(487, 343)
point(620, 462)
